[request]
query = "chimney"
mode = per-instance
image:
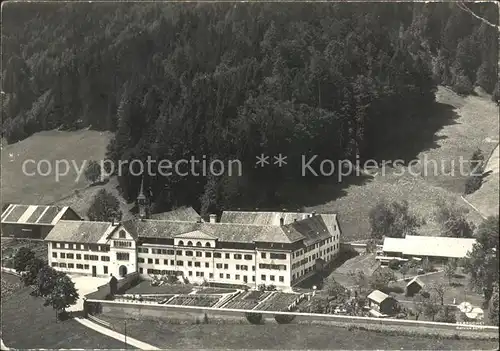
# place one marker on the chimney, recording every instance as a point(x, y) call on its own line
point(213, 218)
point(282, 221)
point(295, 219)
point(313, 213)
point(113, 222)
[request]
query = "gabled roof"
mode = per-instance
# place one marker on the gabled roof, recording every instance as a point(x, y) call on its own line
point(89, 232)
point(34, 214)
point(197, 234)
point(179, 214)
point(416, 280)
point(437, 246)
point(377, 296)
point(310, 229)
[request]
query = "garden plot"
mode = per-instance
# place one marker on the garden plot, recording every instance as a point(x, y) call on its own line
point(278, 302)
point(247, 300)
point(195, 300)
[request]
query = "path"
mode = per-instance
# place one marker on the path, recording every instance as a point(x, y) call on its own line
point(115, 335)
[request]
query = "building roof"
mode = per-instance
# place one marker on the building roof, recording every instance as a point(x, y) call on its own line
point(416, 280)
point(34, 214)
point(310, 230)
point(377, 296)
point(437, 246)
point(89, 232)
point(179, 214)
point(261, 218)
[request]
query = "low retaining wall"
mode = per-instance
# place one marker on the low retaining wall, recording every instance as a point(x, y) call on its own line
point(192, 313)
point(122, 285)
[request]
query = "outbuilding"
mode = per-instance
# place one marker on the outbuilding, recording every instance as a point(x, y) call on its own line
point(381, 303)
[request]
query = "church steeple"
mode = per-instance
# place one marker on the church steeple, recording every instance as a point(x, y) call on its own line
point(142, 202)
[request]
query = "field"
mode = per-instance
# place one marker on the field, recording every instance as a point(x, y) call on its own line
point(27, 324)
point(10, 246)
point(280, 337)
point(460, 126)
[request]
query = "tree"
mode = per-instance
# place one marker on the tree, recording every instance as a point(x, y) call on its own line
point(476, 169)
point(46, 280)
point(446, 314)
point(393, 220)
point(437, 292)
point(381, 278)
point(431, 308)
point(493, 307)
point(29, 277)
point(360, 279)
point(93, 171)
point(462, 85)
point(452, 221)
point(105, 207)
point(404, 269)
point(427, 265)
point(22, 259)
point(418, 305)
point(482, 262)
point(333, 288)
point(254, 318)
point(63, 294)
point(450, 268)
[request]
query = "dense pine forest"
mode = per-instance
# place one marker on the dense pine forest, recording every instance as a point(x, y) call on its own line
point(232, 81)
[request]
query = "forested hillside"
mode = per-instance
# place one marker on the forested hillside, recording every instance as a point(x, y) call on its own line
point(232, 81)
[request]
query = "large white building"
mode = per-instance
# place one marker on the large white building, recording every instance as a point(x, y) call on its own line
point(247, 248)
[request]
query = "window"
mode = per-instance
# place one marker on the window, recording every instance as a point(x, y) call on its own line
point(66, 246)
point(105, 258)
point(86, 266)
point(78, 256)
point(248, 257)
point(190, 243)
point(150, 260)
point(217, 255)
point(165, 262)
point(221, 275)
point(172, 262)
point(71, 246)
point(263, 255)
point(263, 277)
point(54, 245)
point(180, 263)
point(237, 256)
point(62, 265)
point(197, 264)
point(275, 256)
point(82, 247)
point(199, 254)
point(271, 277)
point(170, 252)
point(227, 255)
point(122, 256)
point(71, 265)
point(79, 266)
point(157, 261)
point(140, 260)
point(122, 235)
point(210, 275)
point(237, 277)
point(237, 266)
point(208, 254)
point(190, 273)
point(218, 265)
point(189, 253)
point(253, 268)
point(228, 276)
point(179, 253)
point(282, 279)
point(63, 255)
point(54, 264)
point(190, 264)
point(54, 254)
point(208, 245)
point(226, 266)
point(181, 243)
point(142, 250)
point(198, 243)
point(207, 265)
point(141, 271)
point(253, 278)
point(119, 243)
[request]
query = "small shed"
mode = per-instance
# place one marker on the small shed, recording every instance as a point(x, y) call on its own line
point(413, 287)
point(381, 302)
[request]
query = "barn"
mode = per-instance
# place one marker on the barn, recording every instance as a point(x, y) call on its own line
point(33, 221)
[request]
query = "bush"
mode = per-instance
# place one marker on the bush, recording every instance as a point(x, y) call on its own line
point(425, 294)
point(284, 318)
point(393, 264)
point(254, 318)
point(205, 319)
point(473, 183)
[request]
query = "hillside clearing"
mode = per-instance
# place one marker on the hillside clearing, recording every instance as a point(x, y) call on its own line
point(475, 126)
point(77, 146)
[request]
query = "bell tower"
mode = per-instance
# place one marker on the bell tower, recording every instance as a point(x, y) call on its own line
point(142, 202)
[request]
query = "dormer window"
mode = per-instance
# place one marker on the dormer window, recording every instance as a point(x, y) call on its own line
point(122, 234)
point(198, 244)
point(208, 245)
point(190, 243)
point(181, 243)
